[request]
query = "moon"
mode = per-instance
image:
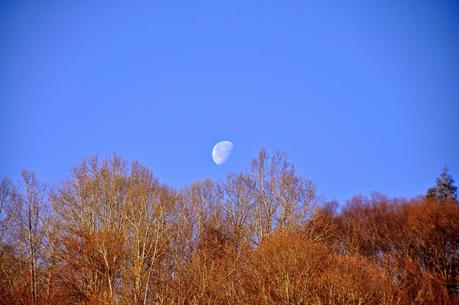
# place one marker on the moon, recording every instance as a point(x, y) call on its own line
point(221, 152)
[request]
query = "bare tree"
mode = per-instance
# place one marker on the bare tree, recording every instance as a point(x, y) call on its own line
point(118, 218)
point(205, 200)
point(29, 216)
point(90, 221)
point(282, 198)
point(5, 202)
point(239, 207)
point(149, 207)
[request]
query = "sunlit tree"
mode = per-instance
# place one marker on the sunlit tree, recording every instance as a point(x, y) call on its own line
point(444, 188)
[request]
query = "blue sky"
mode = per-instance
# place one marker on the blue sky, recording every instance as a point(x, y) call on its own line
point(362, 95)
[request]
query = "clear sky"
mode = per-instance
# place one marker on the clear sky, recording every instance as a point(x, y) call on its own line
point(362, 95)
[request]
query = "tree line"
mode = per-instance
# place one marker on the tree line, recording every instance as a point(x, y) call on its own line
point(114, 234)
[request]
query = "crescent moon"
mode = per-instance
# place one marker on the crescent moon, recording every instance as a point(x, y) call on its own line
point(221, 152)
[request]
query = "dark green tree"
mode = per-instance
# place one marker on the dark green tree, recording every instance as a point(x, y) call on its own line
point(444, 188)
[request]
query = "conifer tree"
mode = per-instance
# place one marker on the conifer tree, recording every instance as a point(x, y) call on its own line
point(444, 188)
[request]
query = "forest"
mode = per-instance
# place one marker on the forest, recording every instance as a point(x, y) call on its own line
point(112, 233)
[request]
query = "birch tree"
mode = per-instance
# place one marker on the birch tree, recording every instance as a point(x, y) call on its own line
point(282, 197)
point(28, 218)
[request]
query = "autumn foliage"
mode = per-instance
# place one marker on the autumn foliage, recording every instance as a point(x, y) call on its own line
point(113, 234)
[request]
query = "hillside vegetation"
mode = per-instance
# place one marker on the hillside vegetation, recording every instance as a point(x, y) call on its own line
point(114, 234)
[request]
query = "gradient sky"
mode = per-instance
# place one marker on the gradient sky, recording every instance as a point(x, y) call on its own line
point(362, 95)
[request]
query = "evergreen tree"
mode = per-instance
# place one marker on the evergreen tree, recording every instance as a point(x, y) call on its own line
point(444, 188)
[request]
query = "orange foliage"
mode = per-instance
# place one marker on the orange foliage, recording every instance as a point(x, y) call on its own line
point(115, 235)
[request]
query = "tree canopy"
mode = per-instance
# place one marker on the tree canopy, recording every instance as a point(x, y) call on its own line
point(444, 188)
point(114, 234)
